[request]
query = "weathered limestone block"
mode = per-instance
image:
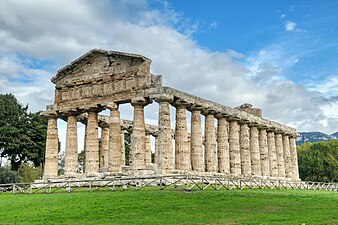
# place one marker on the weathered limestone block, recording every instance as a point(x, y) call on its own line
point(104, 146)
point(196, 142)
point(263, 147)
point(272, 154)
point(223, 146)
point(234, 148)
point(115, 149)
point(245, 150)
point(280, 155)
point(165, 148)
point(52, 145)
point(287, 156)
point(71, 157)
point(254, 150)
point(294, 158)
point(210, 144)
point(138, 146)
point(123, 150)
point(148, 149)
point(92, 144)
point(182, 150)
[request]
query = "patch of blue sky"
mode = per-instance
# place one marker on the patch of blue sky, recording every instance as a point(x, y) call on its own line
point(31, 62)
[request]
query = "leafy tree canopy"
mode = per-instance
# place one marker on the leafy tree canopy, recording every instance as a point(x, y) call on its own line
point(318, 161)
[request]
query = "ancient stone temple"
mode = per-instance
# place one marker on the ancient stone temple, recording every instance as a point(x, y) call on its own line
point(234, 142)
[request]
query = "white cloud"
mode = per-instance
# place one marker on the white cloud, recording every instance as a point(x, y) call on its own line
point(290, 26)
point(57, 32)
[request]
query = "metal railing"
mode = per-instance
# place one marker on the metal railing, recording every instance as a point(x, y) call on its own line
point(184, 182)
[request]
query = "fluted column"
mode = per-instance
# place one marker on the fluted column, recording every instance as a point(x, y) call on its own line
point(92, 144)
point(264, 152)
point(287, 156)
point(52, 145)
point(71, 156)
point(234, 148)
point(138, 147)
point(115, 150)
point(182, 150)
point(245, 149)
point(104, 146)
point(123, 150)
point(165, 149)
point(196, 141)
point(280, 155)
point(294, 158)
point(156, 151)
point(148, 149)
point(254, 150)
point(272, 154)
point(223, 145)
point(210, 144)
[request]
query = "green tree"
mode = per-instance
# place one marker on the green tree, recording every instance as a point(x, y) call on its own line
point(318, 161)
point(22, 134)
point(7, 176)
point(29, 173)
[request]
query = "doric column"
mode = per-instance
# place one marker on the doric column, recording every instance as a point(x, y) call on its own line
point(165, 149)
point(148, 149)
point(123, 149)
point(245, 149)
point(294, 158)
point(196, 141)
point(50, 169)
point(92, 143)
point(156, 151)
point(115, 151)
point(254, 150)
point(138, 147)
point(234, 147)
point(104, 146)
point(280, 154)
point(287, 156)
point(71, 156)
point(222, 145)
point(210, 143)
point(264, 152)
point(182, 150)
point(272, 154)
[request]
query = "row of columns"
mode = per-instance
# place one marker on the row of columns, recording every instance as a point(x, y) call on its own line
point(234, 147)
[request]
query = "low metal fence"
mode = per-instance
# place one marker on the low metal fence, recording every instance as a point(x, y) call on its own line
point(184, 182)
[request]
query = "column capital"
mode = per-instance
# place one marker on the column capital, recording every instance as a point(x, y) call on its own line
point(91, 108)
point(233, 118)
point(198, 108)
point(208, 111)
point(179, 103)
point(162, 98)
point(50, 114)
point(112, 106)
point(141, 101)
point(251, 124)
point(271, 129)
point(221, 116)
point(241, 122)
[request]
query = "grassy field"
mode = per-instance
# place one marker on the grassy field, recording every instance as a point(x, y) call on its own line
point(151, 206)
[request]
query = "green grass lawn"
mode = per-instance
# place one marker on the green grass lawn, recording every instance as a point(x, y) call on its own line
point(152, 206)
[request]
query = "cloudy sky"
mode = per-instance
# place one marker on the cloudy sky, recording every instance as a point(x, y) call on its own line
point(281, 56)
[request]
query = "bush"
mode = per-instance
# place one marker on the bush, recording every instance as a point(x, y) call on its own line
point(7, 176)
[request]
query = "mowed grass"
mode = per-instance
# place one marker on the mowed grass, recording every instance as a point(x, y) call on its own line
point(152, 206)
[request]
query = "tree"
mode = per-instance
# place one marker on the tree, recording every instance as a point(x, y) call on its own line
point(318, 161)
point(7, 176)
point(22, 134)
point(29, 173)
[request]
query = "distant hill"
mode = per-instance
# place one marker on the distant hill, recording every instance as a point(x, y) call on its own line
point(315, 137)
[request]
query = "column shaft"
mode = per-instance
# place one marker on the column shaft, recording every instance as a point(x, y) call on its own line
point(255, 154)
point(104, 146)
point(245, 150)
point(223, 146)
point(165, 148)
point(148, 149)
point(294, 158)
point(264, 152)
point(115, 150)
point(138, 138)
point(287, 156)
point(71, 156)
point(272, 154)
point(210, 144)
point(52, 145)
point(92, 145)
point(280, 155)
point(123, 149)
point(234, 148)
point(182, 153)
point(196, 142)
